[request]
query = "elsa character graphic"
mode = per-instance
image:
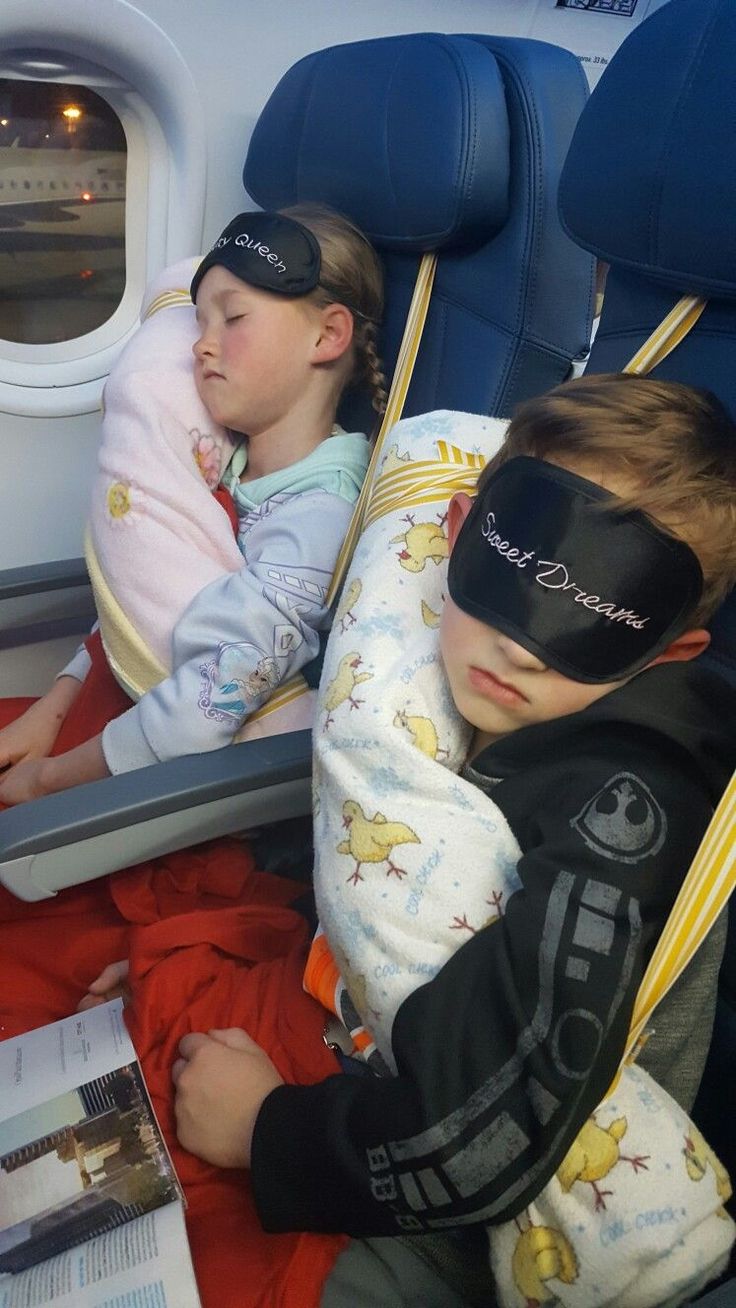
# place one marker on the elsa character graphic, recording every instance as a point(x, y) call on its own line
point(237, 681)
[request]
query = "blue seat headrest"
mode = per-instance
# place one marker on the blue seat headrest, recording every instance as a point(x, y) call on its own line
point(672, 220)
point(408, 135)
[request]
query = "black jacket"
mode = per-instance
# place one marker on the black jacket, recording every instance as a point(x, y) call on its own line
point(503, 1055)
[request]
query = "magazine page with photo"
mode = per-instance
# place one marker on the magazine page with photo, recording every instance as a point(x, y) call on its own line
point(83, 1163)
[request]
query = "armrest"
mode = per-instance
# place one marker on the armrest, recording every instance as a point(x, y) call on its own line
point(38, 578)
point(91, 830)
point(31, 617)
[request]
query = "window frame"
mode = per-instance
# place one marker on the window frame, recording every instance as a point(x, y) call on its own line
point(134, 66)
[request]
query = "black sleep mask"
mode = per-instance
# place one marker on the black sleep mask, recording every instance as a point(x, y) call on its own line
point(592, 592)
point(267, 250)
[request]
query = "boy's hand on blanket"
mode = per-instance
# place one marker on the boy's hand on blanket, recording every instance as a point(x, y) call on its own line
point(221, 1080)
point(110, 984)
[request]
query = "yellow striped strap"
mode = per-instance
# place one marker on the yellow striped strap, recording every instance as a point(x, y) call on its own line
point(704, 893)
point(667, 335)
point(454, 454)
point(408, 351)
point(167, 300)
point(426, 481)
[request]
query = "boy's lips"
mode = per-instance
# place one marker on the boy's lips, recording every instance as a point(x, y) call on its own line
point(493, 688)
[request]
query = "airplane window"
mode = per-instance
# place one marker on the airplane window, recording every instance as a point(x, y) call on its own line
point(62, 249)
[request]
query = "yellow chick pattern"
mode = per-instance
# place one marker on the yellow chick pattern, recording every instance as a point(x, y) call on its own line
point(542, 1255)
point(371, 840)
point(340, 689)
point(394, 460)
point(344, 611)
point(429, 617)
point(699, 1157)
point(422, 542)
point(422, 731)
point(593, 1154)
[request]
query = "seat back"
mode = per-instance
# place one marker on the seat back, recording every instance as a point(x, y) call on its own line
point(453, 144)
point(649, 186)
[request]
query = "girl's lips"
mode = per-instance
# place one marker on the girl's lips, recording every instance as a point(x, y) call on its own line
point(493, 688)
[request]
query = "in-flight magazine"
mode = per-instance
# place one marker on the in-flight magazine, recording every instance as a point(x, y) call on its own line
point(91, 1210)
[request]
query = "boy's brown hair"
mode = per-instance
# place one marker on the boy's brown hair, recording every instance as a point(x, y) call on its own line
point(669, 450)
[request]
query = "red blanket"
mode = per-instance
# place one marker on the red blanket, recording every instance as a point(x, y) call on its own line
point(212, 942)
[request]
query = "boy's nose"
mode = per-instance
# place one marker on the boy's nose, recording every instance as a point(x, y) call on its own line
point(520, 657)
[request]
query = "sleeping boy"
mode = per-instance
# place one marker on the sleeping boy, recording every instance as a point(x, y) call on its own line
point(599, 543)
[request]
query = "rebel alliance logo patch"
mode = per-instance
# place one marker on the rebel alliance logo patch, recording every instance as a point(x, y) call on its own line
point(623, 821)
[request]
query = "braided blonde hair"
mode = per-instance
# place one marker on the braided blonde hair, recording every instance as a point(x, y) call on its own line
point(352, 275)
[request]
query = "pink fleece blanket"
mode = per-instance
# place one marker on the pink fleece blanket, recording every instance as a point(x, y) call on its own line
point(158, 534)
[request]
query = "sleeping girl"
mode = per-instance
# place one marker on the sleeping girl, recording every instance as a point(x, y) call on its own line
point(203, 614)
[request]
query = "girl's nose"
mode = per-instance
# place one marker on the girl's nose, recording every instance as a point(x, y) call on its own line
point(519, 657)
point(202, 347)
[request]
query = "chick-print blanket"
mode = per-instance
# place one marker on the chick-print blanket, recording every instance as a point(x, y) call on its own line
point(396, 833)
point(157, 535)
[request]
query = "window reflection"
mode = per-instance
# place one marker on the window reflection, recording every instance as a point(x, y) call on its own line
point(62, 211)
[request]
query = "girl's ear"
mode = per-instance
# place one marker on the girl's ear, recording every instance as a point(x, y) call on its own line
point(687, 646)
point(335, 333)
point(457, 511)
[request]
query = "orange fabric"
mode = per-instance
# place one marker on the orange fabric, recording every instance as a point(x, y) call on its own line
point(212, 943)
point(323, 981)
point(321, 973)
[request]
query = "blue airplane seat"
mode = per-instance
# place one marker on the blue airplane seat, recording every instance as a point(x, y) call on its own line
point(649, 186)
point(453, 144)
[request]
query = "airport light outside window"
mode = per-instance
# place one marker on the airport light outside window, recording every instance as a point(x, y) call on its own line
point(63, 160)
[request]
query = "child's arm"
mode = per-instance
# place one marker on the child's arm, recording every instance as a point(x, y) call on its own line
point(26, 744)
point(501, 1057)
point(241, 636)
point(32, 735)
point(37, 777)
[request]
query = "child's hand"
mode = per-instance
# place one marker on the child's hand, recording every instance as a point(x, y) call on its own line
point(25, 781)
point(32, 735)
point(221, 1080)
point(110, 984)
point(46, 776)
